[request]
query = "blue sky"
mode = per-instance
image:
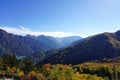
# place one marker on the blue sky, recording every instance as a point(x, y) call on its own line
point(60, 17)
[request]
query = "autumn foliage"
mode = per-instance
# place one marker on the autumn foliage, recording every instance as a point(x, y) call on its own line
point(26, 70)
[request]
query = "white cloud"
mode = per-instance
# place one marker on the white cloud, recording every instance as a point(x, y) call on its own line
point(23, 28)
point(23, 31)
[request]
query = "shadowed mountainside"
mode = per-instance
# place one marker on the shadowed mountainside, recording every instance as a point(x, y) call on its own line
point(105, 45)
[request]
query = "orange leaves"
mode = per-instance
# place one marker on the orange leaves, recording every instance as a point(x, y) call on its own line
point(65, 67)
point(46, 66)
point(11, 70)
point(15, 70)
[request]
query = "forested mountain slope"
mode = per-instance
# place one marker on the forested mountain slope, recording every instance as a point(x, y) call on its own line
point(105, 45)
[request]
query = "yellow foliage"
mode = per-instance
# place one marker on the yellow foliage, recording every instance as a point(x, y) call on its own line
point(8, 69)
point(77, 73)
point(48, 68)
point(39, 75)
point(31, 73)
point(86, 77)
point(18, 70)
point(21, 73)
point(62, 78)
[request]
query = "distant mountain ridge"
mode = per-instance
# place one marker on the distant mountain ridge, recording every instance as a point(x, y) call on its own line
point(54, 42)
point(105, 45)
point(67, 41)
point(25, 45)
point(49, 41)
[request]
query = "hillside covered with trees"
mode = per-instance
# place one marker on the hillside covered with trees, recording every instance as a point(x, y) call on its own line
point(97, 47)
point(20, 68)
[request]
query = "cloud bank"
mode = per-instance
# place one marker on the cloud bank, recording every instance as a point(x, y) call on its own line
point(24, 31)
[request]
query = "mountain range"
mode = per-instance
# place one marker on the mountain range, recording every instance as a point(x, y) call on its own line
point(28, 45)
point(67, 50)
point(97, 47)
point(54, 42)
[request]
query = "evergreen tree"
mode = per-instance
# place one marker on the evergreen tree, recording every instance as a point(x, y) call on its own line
point(28, 66)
